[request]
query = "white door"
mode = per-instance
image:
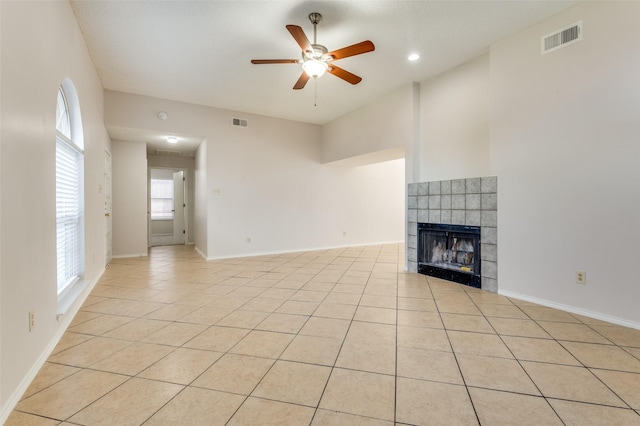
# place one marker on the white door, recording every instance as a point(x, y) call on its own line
point(178, 208)
point(108, 252)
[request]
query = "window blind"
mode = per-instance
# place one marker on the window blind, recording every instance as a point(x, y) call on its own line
point(69, 213)
point(161, 199)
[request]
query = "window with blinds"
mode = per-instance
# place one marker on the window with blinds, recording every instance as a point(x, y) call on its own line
point(161, 199)
point(69, 200)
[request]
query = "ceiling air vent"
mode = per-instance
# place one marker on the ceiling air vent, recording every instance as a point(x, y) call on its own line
point(561, 38)
point(240, 122)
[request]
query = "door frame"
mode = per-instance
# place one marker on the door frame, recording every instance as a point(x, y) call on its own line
point(185, 172)
point(107, 191)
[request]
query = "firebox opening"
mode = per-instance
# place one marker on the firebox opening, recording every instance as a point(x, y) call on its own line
point(451, 252)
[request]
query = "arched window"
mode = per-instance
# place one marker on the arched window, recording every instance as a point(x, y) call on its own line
point(69, 189)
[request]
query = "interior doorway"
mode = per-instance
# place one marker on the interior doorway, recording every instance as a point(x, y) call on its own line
point(167, 207)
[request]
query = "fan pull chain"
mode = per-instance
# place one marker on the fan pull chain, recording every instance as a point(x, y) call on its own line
point(315, 92)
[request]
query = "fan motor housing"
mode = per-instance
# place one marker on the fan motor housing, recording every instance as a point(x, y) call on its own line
point(315, 17)
point(319, 53)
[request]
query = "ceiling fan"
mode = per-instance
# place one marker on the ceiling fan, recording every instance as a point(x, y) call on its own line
point(316, 59)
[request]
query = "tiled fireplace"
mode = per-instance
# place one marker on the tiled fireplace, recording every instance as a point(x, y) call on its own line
point(467, 204)
point(451, 252)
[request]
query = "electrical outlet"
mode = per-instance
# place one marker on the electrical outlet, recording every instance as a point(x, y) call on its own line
point(32, 320)
point(581, 277)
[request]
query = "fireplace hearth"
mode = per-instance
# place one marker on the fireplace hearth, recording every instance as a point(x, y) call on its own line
point(450, 252)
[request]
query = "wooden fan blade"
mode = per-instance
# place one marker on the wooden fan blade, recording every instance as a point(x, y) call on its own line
point(274, 61)
point(300, 37)
point(354, 49)
point(344, 74)
point(302, 81)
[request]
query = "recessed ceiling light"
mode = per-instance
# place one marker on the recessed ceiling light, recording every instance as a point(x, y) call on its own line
point(413, 57)
point(171, 139)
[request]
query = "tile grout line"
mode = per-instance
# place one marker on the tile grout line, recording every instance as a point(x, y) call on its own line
point(304, 263)
point(455, 356)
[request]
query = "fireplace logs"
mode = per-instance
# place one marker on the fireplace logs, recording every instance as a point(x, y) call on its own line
point(451, 252)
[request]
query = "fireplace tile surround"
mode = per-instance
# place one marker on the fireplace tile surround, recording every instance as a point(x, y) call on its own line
point(472, 201)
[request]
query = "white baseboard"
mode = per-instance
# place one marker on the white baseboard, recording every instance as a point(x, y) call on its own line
point(204, 256)
point(64, 320)
point(571, 309)
point(127, 256)
point(270, 253)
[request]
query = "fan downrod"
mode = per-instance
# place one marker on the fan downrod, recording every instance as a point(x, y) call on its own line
point(315, 17)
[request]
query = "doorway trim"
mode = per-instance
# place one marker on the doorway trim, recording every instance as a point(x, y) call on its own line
point(108, 207)
point(186, 203)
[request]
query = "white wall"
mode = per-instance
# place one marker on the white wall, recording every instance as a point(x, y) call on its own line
point(379, 126)
point(161, 173)
point(201, 201)
point(373, 201)
point(41, 45)
point(454, 123)
point(265, 182)
point(273, 189)
point(4, 407)
point(129, 198)
point(564, 143)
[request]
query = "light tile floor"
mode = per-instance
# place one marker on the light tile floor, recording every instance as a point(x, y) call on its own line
point(333, 337)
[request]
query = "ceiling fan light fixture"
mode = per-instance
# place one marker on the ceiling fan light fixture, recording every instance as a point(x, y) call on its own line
point(315, 68)
point(316, 58)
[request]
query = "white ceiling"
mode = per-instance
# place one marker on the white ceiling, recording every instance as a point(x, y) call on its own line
point(200, 51)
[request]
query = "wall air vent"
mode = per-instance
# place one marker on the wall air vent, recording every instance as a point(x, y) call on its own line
point(561, 38)
point(240, 122)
